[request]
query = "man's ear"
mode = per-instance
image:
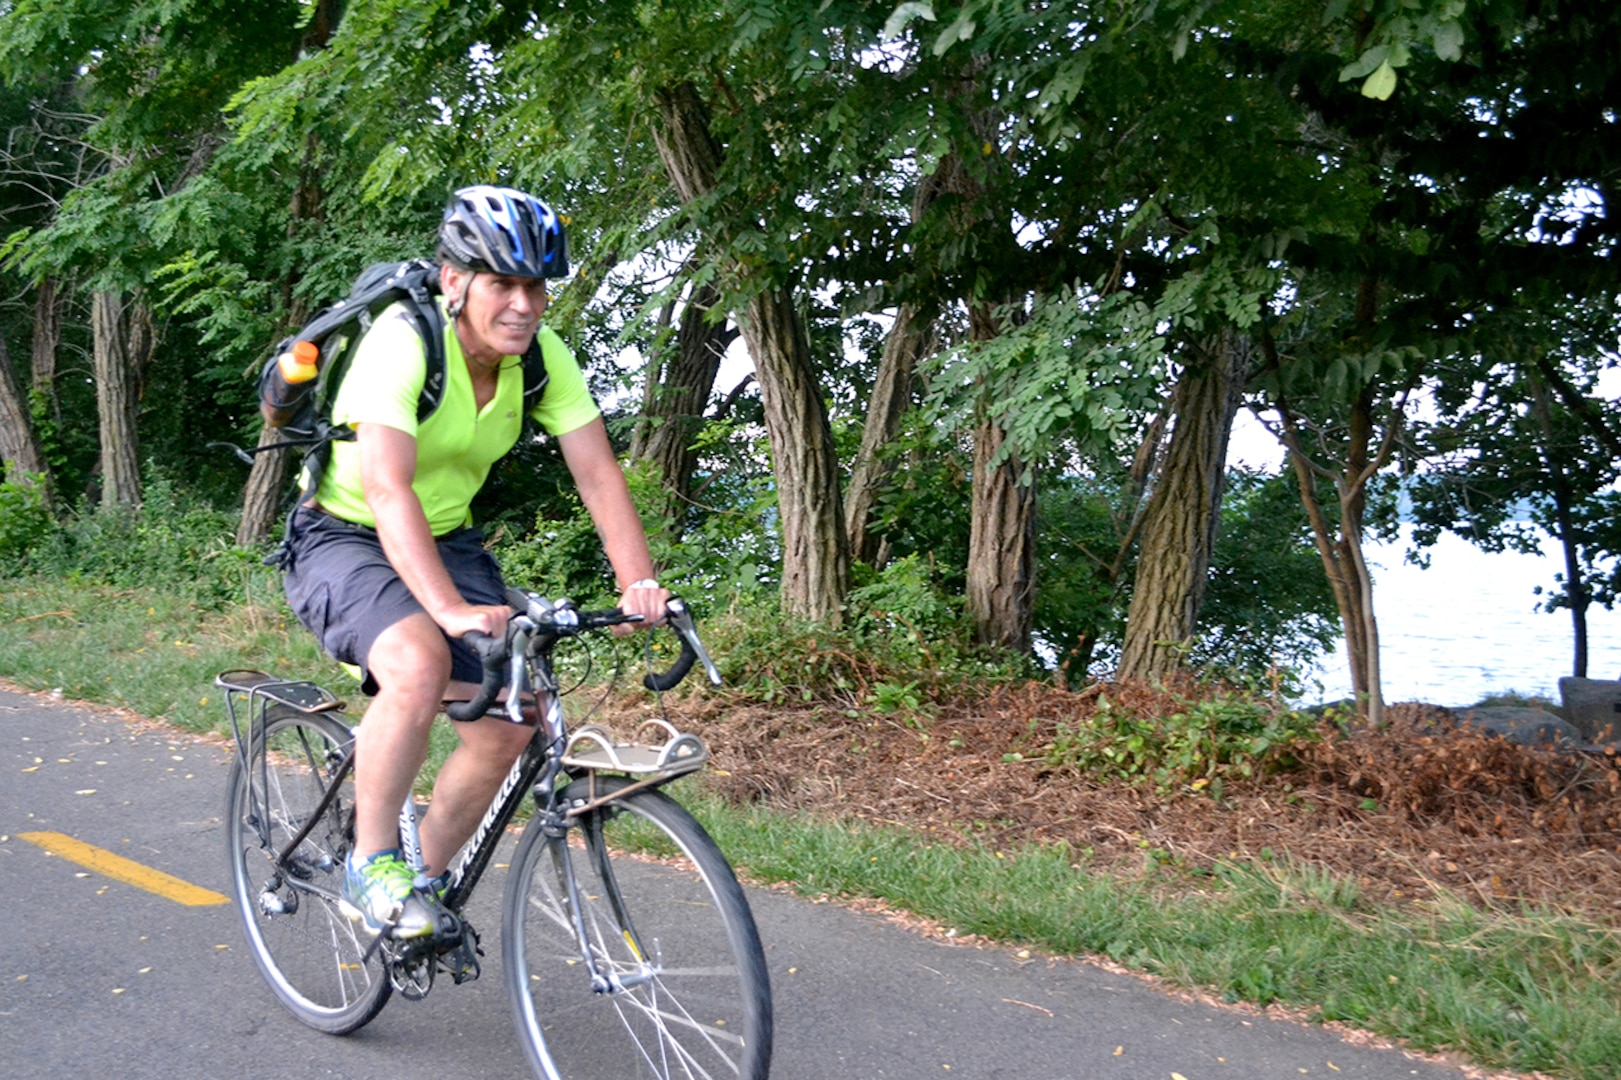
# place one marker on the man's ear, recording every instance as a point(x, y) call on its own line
point(453, 282)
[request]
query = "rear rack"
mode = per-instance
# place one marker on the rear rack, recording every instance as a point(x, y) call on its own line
point(260, 689)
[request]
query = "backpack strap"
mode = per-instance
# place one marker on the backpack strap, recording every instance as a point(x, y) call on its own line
point(535, 378)
point(423, 312)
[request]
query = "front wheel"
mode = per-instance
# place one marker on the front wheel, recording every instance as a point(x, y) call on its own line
point(309, 953)
point(681, 987)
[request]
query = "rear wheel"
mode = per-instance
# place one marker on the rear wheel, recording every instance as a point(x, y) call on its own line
point(310, 954)
point(684, 990)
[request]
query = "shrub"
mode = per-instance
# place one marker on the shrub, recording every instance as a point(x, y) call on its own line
point(25, 518)
point(171, 542)
point(1193, 745)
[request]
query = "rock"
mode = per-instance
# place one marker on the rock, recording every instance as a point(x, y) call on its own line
point(1594, 707)
point(1528, 727)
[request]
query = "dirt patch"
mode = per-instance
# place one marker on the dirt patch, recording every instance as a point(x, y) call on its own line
point(1419, 808)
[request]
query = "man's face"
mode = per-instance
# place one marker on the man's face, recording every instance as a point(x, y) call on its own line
point(501, 314)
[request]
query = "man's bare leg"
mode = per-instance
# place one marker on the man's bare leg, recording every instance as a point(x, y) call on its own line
point(411, 664)
point(467, 781)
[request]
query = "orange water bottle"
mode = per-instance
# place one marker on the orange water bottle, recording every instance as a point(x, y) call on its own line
point(287, 381)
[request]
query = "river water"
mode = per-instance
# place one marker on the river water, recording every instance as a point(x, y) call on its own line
point(1469, 626)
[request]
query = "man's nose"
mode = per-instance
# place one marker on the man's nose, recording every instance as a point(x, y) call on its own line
point(529, 300)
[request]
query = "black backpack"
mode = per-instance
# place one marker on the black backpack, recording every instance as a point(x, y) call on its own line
point(305, 409)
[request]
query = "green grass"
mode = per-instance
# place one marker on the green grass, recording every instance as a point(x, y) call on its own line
point(1529, 991)
point(1525, 991)
point(145, 650)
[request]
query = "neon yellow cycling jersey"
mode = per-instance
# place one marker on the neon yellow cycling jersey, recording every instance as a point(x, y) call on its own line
point(458, 443)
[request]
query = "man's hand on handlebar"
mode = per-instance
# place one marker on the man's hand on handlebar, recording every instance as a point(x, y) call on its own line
point(644, 598)
point(488, 619)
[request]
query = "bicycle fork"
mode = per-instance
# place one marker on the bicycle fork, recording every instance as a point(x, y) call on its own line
point(609, 981)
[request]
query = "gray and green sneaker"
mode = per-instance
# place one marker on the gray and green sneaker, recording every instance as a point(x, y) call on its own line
point(380, 892)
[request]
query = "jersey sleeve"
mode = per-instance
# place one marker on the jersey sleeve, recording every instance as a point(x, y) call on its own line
point(385, 376)
point(567, 403)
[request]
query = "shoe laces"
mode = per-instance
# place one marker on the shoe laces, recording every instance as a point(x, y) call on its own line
point(388, 872)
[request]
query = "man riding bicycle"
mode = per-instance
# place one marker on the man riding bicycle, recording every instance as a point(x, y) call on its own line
point(385, 566)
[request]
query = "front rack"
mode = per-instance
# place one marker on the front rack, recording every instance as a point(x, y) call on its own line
point(595, 748)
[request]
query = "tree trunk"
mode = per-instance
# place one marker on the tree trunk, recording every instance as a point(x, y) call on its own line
point(117, 402)
point(20, 454)
point(1001, 586)
point(1184, 511)
point(677, 392)
point(47, 339)
point(266, 486)
point(815, 551)
point(1575, 581)
point(908, 341)
point(1001, 546)
point(1341, 553)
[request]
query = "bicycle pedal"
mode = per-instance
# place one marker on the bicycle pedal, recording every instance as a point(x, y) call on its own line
point(461, 961)
point(449, 931)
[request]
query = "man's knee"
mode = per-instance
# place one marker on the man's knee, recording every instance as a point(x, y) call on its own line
point(411, 661)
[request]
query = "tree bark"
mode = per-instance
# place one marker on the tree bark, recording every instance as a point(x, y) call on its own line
point(117, 401)
point(20, 453)
point(1001, 586)
point(1575, 581)
point(1341, 552)
point(815, 549)
point(1184, 511)
point(1001, 546)
point(909, 340)
point(47, 338)
point(678, 389)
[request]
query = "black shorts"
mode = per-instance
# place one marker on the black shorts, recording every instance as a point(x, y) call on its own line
point(346, 592)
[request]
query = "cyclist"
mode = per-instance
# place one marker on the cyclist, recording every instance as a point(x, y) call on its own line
point(385, 566)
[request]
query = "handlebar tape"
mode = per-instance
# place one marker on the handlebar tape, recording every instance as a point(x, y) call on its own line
point(493, 652)
point(678, 671)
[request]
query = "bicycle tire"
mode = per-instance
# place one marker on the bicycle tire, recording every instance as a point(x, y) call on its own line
point(310, 954)
point(698, 1000)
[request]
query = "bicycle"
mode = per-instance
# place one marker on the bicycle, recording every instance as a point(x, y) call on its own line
point(616, 967)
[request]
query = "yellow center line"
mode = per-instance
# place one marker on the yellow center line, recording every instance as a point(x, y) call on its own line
point(121, 869)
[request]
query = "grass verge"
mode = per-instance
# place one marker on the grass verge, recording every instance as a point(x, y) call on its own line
point(1525, 991)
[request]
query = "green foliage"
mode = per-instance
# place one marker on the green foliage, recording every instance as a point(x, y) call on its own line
point(892, 657)
point(926, 510)
point(1082, 522)
point(172, 542)
point(1078, 370)
point(25, 518)
point(1198, 747)
point(1267, 604)
point(560, 557)
point(906, 598)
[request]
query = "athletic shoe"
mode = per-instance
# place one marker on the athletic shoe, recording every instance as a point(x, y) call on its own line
point(380, 892)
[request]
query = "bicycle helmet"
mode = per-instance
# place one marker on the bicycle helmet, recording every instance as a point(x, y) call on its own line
point(502, 230)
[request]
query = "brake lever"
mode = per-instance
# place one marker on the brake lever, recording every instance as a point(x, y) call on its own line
point(680, 617)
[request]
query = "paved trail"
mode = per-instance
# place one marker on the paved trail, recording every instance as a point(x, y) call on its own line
point(137, 977)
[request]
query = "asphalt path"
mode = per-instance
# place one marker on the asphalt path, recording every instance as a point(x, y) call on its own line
point(103, 977)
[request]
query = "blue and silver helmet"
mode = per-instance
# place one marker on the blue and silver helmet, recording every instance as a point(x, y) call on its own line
point(501, 230)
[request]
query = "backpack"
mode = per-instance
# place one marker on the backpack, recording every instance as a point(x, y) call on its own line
point(305, 409)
